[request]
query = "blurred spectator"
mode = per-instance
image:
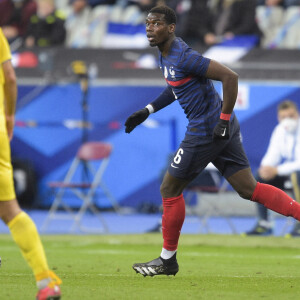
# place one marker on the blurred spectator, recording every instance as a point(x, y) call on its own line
point(15, 16)
point(288, 3)
point(182, 9)
point(78, 6)
point(46, 28)
point(281, 163)
point(77, 23)
point(270, 2)
point(146, 5)
point(229, 18)
point(94, 3)
point(285, 3)
point(192, 15)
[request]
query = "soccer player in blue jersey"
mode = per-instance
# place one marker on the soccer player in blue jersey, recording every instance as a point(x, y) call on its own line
point(213, 135)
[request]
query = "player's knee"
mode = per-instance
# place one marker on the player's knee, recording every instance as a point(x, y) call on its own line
point(5, 216)
point(168, 190)
point(164, 189)
point(8, 210)
point(245, 193)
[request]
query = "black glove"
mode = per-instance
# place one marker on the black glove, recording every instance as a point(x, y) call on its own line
point(136, 119)
point(221, 130)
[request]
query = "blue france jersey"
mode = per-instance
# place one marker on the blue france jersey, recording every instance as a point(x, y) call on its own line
point(184, 70)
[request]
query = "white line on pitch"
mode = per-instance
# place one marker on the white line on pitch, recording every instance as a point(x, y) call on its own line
point(197, 254)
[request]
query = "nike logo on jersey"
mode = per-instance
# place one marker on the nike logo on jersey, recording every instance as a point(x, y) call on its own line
point(174, 166)
point(223, 134)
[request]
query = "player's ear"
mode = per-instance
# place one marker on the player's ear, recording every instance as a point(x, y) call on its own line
point(172, 28)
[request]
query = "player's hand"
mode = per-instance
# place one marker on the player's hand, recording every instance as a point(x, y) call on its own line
point(221, 131)
point(267, 172)
point(136, 119)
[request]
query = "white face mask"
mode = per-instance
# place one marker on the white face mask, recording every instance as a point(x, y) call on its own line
point(289, 124)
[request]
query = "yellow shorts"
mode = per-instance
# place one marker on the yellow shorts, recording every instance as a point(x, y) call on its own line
point(7, 190)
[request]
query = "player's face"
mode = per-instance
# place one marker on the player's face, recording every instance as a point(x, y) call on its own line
point(288, 119)
point(158, 31)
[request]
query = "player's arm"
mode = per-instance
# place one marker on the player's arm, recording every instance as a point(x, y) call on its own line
point(229, 79)
point(194, 63)
point(163, 100)
point(10, 95)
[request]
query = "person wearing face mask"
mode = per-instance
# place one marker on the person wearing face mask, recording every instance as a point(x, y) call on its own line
point(280, 165)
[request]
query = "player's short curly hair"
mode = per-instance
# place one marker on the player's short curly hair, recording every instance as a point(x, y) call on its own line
point(169, 13)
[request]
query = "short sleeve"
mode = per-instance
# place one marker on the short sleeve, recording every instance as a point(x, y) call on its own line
point(193, 62)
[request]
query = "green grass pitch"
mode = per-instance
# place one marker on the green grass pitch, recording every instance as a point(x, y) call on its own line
point(211, 267)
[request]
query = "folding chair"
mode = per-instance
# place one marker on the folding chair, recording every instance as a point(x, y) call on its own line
point(88, 155)
point(202, 187)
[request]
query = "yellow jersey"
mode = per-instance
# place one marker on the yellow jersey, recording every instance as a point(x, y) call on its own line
point(5, 55)
point(6, 173)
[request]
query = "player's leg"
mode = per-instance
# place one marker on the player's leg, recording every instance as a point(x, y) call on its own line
point(271, 197)
point(185, 166)
point(233, 164)
point(172, 221)
point(173, 213)
point(23, 229)
point(189, 161)
point(25, 235)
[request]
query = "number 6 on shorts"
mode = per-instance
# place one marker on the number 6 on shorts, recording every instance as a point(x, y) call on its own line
point(177, 157)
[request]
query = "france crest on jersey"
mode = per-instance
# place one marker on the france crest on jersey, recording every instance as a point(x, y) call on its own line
point(184, 71)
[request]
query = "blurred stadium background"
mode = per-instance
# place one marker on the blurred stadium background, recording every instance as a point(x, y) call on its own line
point(123, 77)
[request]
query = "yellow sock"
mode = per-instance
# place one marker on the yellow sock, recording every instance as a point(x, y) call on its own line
point(25, 235)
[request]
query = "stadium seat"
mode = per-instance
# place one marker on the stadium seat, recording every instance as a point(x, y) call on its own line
point(269, 20)
point(289, 35)
point(61, 4)
point(133, 15)
point(116, 14)
point(125, 28)
point(78, 29)
point(91, 161)
point(98, 25)
point(203, 187)
point(92, 27)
